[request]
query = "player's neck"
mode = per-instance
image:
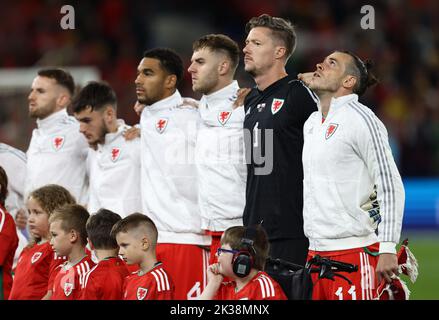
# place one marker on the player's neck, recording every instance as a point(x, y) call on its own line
point(325, 99)
point(147, 265)
point(242, 282)
point(325, 102)
point(222, 83)
point(112, 127)
point(103, 254)
point(77, 254)
point(266, 79)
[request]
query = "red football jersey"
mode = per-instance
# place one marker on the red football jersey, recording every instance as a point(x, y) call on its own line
point(261, 287)
point(69, 279)
point(8, 245)
point(154, 285)
point(105, 280)
point(34, 268)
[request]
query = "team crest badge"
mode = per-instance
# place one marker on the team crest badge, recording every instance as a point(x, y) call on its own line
point(58, 142)
point(68, 288)
point(224, 116)
point(35, 257)
point(141, 293)
point(115, 153)
point(276, 105)
point(161, 125)
point(331, 129)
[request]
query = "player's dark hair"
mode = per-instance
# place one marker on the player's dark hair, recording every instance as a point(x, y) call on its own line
point(73, 217)
point(99, 227)
point(96, 95)
point(222, 43)
point(361, 71)
point(51, 197)
point(170, 61)
point(134, 221)
point(62, 77)
point(281, 29)
point(233, 237)
point(3, 186)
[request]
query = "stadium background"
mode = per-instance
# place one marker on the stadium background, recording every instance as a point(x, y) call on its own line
point(110, 36)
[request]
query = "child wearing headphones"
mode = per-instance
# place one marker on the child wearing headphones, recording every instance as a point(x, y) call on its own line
point(241, 258)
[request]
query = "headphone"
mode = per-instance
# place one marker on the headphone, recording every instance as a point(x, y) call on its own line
point(243, 261)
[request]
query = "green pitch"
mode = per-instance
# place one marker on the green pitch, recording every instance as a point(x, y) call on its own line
point(425, 247)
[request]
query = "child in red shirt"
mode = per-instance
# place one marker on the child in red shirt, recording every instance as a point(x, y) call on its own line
point(69, 238)
point(34, 273)
point(8, 240)
point(136, 236)
point(105, 280)
point(242, 258)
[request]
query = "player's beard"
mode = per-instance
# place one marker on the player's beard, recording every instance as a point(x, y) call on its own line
point(206, 85)
point(101, 136)
point(43, 111)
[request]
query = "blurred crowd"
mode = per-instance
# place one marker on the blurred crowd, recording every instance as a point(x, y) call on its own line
point(112, 35)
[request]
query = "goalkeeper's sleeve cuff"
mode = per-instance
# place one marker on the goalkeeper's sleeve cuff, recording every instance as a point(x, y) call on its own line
point(388, 247)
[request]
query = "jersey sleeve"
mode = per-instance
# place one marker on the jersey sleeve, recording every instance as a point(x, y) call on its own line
point(7, 239)
point(373, 145)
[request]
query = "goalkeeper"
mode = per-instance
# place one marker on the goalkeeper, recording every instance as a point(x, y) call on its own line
point(346, 154)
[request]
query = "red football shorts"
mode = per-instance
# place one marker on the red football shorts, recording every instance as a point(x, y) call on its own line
point(187, 266)
point(364, 282)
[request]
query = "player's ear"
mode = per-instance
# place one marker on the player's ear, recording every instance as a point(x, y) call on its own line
point(349, 82)
point(73, 236)
point(224, 67)
point(63, 100)
point(145, 243)
point(280, 52)
point(109, 113)
point(171, 81)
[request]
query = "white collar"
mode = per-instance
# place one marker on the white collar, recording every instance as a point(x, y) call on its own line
point(52, 119)
point(167, 103)
point(220, 95)
point(343, 100)
point(111, 136)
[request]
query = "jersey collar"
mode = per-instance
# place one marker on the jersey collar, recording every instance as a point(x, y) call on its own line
point(220, 96)
point(52, 119)
point(167, 103)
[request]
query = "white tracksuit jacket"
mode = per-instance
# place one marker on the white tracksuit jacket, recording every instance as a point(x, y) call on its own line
point(114, 174)
point(57, 155)
point(220, 158)
point(168, 171)
point(343, 159)
point(13, 162)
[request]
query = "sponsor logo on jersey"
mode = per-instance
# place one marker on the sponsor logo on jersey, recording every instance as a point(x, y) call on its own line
point(58, 142)
point(68, 288)
point(161, 125)
point(115, 153)
point(331, 130)
point(260, 107)
point(224, 116)
point(141, 293)
point(276, 105)
point(35, 257)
